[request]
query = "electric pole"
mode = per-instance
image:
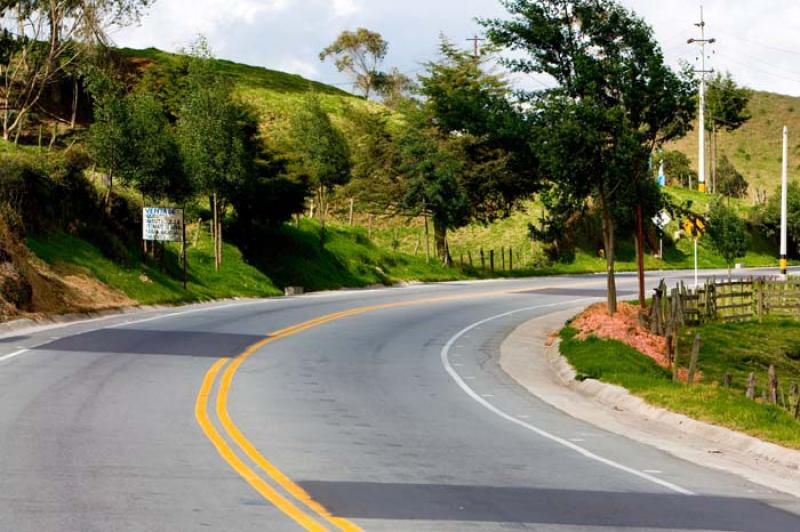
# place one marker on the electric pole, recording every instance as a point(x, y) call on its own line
point(784, 202)
point(702, 41)
point(476, 51)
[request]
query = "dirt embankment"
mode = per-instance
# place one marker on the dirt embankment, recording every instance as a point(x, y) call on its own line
point(29, 288)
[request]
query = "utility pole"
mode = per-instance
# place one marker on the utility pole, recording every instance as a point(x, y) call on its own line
point(702, 41)
point(785, 202)
point(476, 51)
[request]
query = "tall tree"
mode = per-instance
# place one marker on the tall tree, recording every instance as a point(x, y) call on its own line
point(728, 233)
point(726, 103)
point(615, 100)
point(44, 40)
point(360, 54)
point(210, 136)
point(324, 152)
point(110, 138)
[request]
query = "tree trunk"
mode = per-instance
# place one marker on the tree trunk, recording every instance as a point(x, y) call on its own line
point(608, 243)
point(640, 254)
point(440, 241)
point(216, 231)
point(74, 116)
point(323, 212)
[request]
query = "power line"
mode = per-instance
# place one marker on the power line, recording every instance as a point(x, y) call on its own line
point(767, 46)
point(758, 69)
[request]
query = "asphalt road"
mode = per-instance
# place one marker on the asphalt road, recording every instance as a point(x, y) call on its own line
point(385, 410)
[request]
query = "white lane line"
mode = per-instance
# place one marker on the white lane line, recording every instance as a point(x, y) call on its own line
point(13, 355)
point(541, 432)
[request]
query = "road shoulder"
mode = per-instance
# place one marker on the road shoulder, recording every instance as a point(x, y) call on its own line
point(542, 370)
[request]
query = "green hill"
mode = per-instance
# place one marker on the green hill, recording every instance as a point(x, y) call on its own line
point(755, 149)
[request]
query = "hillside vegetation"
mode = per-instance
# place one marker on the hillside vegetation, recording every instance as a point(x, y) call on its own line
point(755, 149)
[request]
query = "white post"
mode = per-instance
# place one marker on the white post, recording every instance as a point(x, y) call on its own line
point(701, 158)
point(695, 264)
point(784, 202)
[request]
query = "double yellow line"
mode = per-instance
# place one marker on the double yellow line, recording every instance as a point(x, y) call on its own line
point(295, 502)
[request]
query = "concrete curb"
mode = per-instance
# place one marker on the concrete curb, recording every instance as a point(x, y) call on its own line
point(545, 373)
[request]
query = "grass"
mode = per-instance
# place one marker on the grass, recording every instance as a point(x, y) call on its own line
point(147, 283)
point(348, 259)
point(512, 233)
point(616, 363)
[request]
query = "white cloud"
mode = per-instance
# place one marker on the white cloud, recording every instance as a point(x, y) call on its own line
point(345, 8)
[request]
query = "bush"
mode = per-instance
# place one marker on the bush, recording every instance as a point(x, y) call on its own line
point(728, 233)
point(730, 182)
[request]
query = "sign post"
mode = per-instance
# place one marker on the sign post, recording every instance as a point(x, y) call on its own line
point(163, 224)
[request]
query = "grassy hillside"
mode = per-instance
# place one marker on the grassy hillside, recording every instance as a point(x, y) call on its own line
point(755, 149)
point(274, 95)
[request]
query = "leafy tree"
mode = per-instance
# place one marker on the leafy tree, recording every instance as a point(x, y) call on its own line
point(393, 87)
point(324, 151)
point(429, 168)
point(46, 40)
point(474, 110)
point(726, 105)
point(768, 216)
point(109, 138)
point(728, 233)
point(730, 182)
point(359, 53)
point(677, 167)
point(210, 136)
point(615, 99)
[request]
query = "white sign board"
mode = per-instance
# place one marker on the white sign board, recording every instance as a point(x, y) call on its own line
point(662, 219)
point(162, 224)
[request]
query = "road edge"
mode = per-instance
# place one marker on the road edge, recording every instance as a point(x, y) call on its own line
point(546, 374)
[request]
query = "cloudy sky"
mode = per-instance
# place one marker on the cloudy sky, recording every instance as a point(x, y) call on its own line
point(758, 42)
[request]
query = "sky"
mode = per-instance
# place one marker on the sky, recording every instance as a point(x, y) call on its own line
point(758, 42)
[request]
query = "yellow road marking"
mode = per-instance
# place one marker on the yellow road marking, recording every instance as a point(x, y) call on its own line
point(250, 450)
point(266, 491)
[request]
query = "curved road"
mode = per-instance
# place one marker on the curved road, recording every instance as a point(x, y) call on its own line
point(379, 409)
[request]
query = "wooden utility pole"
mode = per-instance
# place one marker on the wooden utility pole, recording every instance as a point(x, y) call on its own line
point(476, 50)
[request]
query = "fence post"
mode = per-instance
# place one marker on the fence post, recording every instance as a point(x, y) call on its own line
point(751, 386)
point(773, 385)
point(796, 401)
point(693, 360)
point(676, 363)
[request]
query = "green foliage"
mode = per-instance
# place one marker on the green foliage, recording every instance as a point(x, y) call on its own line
point(677, 168)
point(210, 135)
point(728, 233)
point(467, 101)
point(726, 104)
point(360, 54)
point(768, 217)
point(730, 182)
point(324, 149)
point(615, 99)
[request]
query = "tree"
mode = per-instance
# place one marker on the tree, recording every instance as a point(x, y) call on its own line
point(768, 216)
point(210, 136)
point(109, 136)
point(325, 154)
point(393, 87)
point(677, 167)
point(44, 39)
point(429, 168)
point(615, 100)
point(728, 233)
point(730, 182)
point(474, 110)
point(360, 54)
point(726, 104)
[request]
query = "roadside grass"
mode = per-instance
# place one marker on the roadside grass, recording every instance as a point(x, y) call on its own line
point(147, 283)
point(616, 363)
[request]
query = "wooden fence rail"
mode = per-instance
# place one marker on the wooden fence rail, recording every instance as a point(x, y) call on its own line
point(740, 300)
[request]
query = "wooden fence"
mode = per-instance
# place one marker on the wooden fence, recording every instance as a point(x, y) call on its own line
point(739, 300)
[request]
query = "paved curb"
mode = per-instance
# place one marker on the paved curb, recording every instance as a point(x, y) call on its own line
point(548, 375)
